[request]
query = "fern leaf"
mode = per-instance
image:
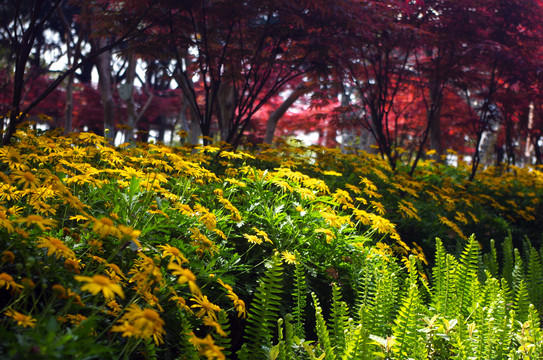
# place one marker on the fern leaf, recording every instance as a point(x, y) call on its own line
point(518, 274)
point(322, 330)
point(383, 306)
point(467, 275)
point(263, 313)
point(338, 320)
point(444, 279)
point(508, 259)
point(224, 340)
point(534, 278)
point(405, 329)
point(300, 298)
point(522, 302)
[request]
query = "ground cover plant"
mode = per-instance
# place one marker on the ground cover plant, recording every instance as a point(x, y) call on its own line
point(152, 251)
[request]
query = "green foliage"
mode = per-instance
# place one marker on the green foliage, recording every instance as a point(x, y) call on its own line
point(300, 298)
point(191, 246)
point(264, 312)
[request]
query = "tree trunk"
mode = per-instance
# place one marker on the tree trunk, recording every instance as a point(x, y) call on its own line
point(274, 117)
point(105, 84)
point(226, 101)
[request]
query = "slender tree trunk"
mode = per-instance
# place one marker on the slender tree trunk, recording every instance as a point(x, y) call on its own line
point(274, 117)
point(105, 83)
point(226, 101)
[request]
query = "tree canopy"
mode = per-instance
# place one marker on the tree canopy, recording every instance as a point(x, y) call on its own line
point(400, 77)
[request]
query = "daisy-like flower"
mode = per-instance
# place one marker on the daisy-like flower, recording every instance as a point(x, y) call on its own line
point(212, 323)
point(180, 301)
point(13, 158)
point(206, 307)
point(185, 276)
point(174, 254)
point(21, 319)
point(253, 239)
point(101, 283)
point(141, 324)
point(105, 227)
point(209, 220)
point(55, 247)
point(8, 192)
point(36, 220)
point(26, 179)
point(238, 303)
point(4, 221)
point(6, 280)
point(207, 347)
point(8, 256)
point(288, 257)
point(130, 234)
point(63, 293)
point(74, 265)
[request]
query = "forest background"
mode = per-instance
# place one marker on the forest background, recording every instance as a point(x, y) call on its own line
point(394, 77)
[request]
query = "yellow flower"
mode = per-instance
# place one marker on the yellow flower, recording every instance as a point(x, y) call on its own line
point(342, 197)
point(74, 265)
point(262, 234)
point(115, 307)
point(101, 283)
point(207, 347)
point(206, 306)
point(173, 253)
point(21, 319)
point(7, 281)
point(8, 256)
point(36, 220)
point(12, 157)
point(74, 319)
point(180, 301)
point(141, 324)
point(214, 324)
point(8, 192)
point(105, 227)
point(130, 234)
point(185, 276)
point(55, 247)
point(26, 179)
point(379, 208)
point(288, 257)
point(253, 239)
point(209, 220)
point(328, 233)
point(240, 307)
point(202, 242)
point(63, 293)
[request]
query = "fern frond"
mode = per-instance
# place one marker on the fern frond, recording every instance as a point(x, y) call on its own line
point(522, 302)
point(491, 317)
point(534, 278)
point(339, 318)
point(535, 331)
point(382, 308)
point(364, 286)
point(263, 312)
point(444, 279)
point(518, 274)
point(467, 276)
point(224, 340)
point(300, 298)
point(508, 259)
point(358, 345)
point(492, 265)
point(405, 329)
point(322, 330)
